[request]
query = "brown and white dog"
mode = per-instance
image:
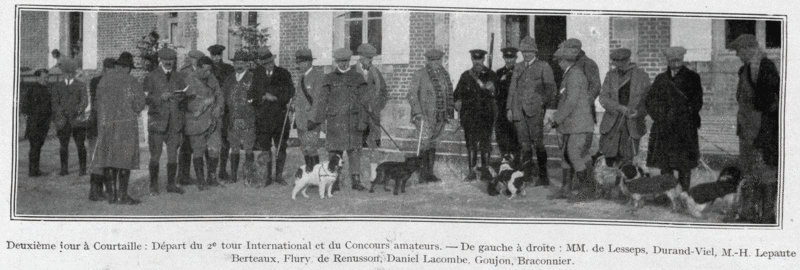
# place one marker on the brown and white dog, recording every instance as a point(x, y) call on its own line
point(723, 192)
point(636, 184)
point(323, 175)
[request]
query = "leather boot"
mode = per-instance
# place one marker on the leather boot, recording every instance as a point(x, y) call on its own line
point(184, 169)
point(33, 165)
point(82, 160)
point(93, 188)
point(527, 157)
point(265, 165)
point(199, 172)
point(223, 162)
point(566, 185)
point(124, 178)
point(685, 178)
point(473, 159)
point(279, 162)
point(64, 156)
point(307, 162)
point(356, 182)
point(211, 178)
point(153, 167)
point(110, 175)
point(485, 164)
point(172, 171)
point(422, 176)
point(249, 168)
point(432, 161)
point(541, 161)
point(234, 168)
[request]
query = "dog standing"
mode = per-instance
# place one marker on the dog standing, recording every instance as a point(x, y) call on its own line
point(508, 180)
point(397, 171)
point(726, 189)
point(323, 175)
point(636, 184)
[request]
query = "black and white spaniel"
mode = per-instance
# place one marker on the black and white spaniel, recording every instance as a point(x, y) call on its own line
point(323, 175)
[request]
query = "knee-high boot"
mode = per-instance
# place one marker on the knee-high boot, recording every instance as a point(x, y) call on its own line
point(473, 160)
point(110, 175)
point(199, 172)
point(431, 162)
point(541, 161)
point(223, 162)
point(63, 154)
point(82, 159)
point(172, 171)
point(211, 176)
point(124, 178)
point(153, 167)
point(234, 168)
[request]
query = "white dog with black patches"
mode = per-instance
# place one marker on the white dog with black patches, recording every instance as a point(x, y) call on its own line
point(322, 175)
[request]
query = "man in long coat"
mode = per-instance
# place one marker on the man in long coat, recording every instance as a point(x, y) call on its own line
point(674, 102)
point(222, 71)
point(592, 73)
point(342, 100)
point(303, 105)
point(623, 124)
point(430, 95)
point(505, 132)
point(37, 109)
point(96, 180)
point(69, 99)
point(165, 119)
point(532, 87)
point(120, 99)
point(474, 97)
point(573, 121)
point(376, 101)
point(203, 122)
point(241, 116)
point(271, 91)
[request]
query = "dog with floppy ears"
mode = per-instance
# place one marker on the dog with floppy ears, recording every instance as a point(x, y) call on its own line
point(508, 180)
point(322, 175)
point(397, 171)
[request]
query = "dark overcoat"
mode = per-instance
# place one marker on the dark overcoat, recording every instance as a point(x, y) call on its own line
point(270, 115)
point(674, 103)
point(767, 96)
point(120, 99)
point(505, 131)
point(477, 103)
point(343, 98)
point(68, 103)
point(38, 109)
point(164, 115)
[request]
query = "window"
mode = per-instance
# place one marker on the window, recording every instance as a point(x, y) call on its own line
point(736, 28)
point(75, 33)
point(773, 34)
point(363, 27)
point(173, 31)
point(239, 19)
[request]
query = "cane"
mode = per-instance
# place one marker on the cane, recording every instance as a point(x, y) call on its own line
point(421, 126)
point(283, 129)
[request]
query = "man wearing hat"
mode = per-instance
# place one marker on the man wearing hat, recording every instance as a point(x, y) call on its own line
point(474, 101)
point(303, 104)
point(271, 91)
point(377, 98)
point(120, 99)
point(757, 94)
point(165, 120)
point(573, 121)
point(532, 87)
point(342, 103)
point(505, 132)
point(204, 122)
point(69, 101)
point(37, 108)
point(240, 116)
point(592, 73)
point(622, 95)
point(674, 103)
point(221, 72)
point(432, 106)
point(185, 162)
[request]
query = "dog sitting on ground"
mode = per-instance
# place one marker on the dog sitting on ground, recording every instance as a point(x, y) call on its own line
point(725, 189)
point(323, 175)
point(397, 171)
point(508, 181)
point(636, 184)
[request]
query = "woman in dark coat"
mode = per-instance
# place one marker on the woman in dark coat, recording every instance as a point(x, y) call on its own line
point(674, 103)
point(37, 109)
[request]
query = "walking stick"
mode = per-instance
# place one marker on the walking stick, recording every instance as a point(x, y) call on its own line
point(283, 129)
point(421, 126)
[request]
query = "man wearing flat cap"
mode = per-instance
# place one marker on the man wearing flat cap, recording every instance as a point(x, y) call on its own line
point(303, 104)
point(474, 101)
point(573, 121)
point(204, 122)
point(505, 132)
point(165, 120)
point(377, 97)
point(241, 117)
point(532, 87)
point(674, 103)
point(592, 73)
point(757, 94)
point(120, 100)
point(342, 103)
point(222, 71)
point(271, 91)
point(69, 101)
point(430, 95)
point(185, 162)
point(622, 95)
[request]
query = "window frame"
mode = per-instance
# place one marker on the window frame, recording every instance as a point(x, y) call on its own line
point(365, 18)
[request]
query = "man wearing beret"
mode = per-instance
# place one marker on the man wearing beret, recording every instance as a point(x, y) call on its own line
point(204, 121)
point(165, 119)
point(377, 97)
point(505, 132)
point(222, 71)
point(757, 94)
point(271, 91)
point(185, 162)
point(674, 103)
point(474, 101)
point(69, 102)
point(241, 117)
point(430, 95)
point(573, 121)
point(532, 87)
point(303, 104)
point(342, 103)
point(622, 95)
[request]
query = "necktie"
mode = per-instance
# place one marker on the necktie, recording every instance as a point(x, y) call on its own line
point(168, 75)
point(305, 91)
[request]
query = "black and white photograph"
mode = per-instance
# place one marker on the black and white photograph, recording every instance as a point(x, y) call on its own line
point(661, 120)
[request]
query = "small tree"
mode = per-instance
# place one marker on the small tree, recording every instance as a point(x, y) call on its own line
point(148, 48)
point(252, 37)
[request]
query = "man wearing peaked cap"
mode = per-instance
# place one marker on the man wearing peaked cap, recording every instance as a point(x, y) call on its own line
point(191, 60)
point(377, 97)
point(591, 71)
point(430, 95)
point(69, 101)
point(532, 88)
point(505, 132)
point(221, 72)
point(674, 102)
point(303, 103)
point(474, 97)
point(271, 91)
point(185, 162)
point(343, 104)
